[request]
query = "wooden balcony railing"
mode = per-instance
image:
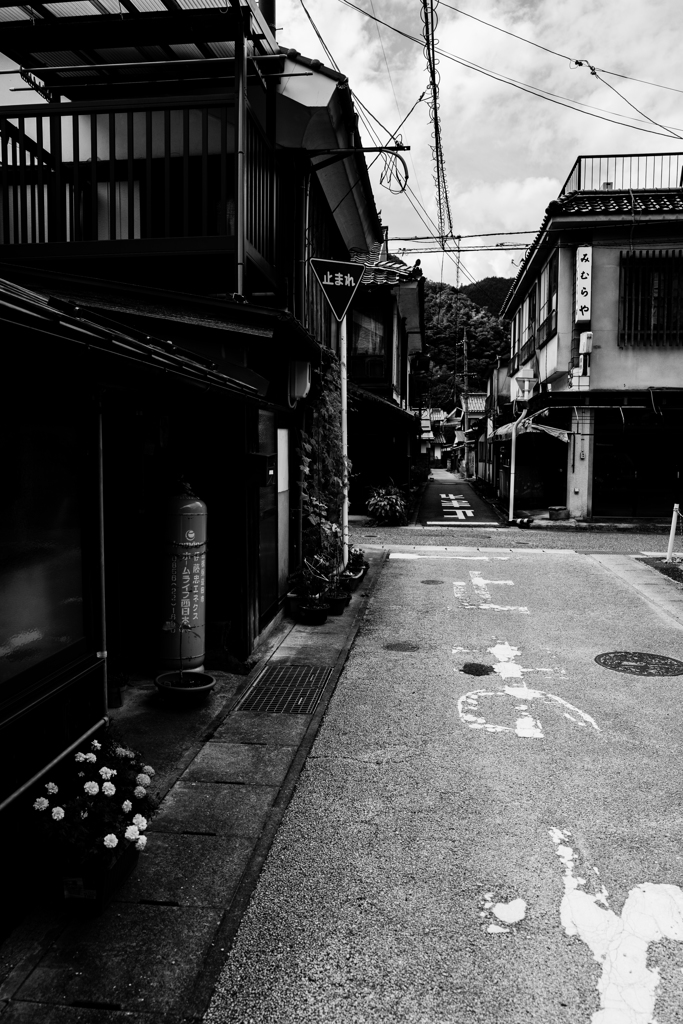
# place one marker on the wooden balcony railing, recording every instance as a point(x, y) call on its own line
point(101, 173)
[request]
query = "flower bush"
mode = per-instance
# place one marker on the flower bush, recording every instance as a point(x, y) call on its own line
point(97, 799)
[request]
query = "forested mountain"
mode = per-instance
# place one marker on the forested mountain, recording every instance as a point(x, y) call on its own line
point(489, 292)
point(449, 313)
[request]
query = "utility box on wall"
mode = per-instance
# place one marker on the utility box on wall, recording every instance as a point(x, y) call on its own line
point(299, 380)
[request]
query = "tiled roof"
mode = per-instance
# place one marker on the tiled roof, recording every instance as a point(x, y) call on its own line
point(476, 403)
point(383, 268)
point(623, 202)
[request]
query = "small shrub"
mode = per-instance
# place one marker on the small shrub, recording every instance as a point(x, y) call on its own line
point(387, 506)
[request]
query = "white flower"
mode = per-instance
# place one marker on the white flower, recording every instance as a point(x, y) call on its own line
point(58, 813)
point(148, 770)
point(91, 788)
point(41, 804)
point(126, 806)
point(139, 792)
point(141, 843)
point(110, 841)
point(81, 775)
point(123, 752)
point(108, 788)
point(132, 832)
point(95, 745)
point(91, 758)
point(140, 822)
point(80, 757)
point(107, 773)
point(143, 780)
point(51, 788)
point(84, 814)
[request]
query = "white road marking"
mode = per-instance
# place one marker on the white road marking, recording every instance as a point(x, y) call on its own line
point(627, 987)
point(526, 725)
point(466, 522)
point(512, 912)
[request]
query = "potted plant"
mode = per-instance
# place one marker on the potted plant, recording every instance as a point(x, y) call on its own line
point(312, 611)
point(337, 597)
point(306, 601)
point(387, 506)
point(94, 812)
point(356, 560)
point(187, 685)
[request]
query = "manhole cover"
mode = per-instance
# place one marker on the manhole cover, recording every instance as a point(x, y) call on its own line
point(285, 690)
point(638, 663)
point(432, 583)
point(402, 645)
point(477, 668)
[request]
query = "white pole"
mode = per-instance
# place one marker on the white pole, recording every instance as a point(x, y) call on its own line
point(513, 466)
point(344, 439)
point(672, 534)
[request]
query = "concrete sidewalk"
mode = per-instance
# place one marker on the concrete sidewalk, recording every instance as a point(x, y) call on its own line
point(225, 778)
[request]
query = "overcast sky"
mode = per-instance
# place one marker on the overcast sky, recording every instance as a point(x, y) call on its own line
point(507, 153)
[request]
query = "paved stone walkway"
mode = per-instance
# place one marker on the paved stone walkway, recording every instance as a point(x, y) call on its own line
point(225, 777)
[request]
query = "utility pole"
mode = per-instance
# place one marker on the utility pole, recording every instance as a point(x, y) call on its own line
point(465, 400)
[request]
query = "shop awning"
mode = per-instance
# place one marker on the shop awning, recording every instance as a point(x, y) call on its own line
point(58, 319)
point(529, 427)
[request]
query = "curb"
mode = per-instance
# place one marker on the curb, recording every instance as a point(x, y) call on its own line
point(226, 933)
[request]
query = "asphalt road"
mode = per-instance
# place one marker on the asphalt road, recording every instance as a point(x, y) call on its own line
point(512, 856)
point(454, 504)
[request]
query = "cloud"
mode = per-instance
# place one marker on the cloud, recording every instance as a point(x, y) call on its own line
point(506, 152)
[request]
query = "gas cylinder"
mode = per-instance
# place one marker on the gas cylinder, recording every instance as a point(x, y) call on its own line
point(184, 620)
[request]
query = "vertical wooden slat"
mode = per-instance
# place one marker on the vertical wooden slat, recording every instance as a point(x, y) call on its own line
point(241, 156)
point(77, 230)
point(131, 186)
point(205, 169)
point(41, 181)
point(94, 231)
point(167, 173)
point(32, 193)
point(15, 194)
point(148, 174)
point(5, 183)
point(23, 192)
point(112, 177)
point(223, 206)
point(186, 172)
point(57, 198)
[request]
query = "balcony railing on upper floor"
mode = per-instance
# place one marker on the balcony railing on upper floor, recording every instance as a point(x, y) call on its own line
point(621, 172)
point(106, 172)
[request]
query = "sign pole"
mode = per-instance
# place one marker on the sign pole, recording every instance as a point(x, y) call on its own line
point(344, 438)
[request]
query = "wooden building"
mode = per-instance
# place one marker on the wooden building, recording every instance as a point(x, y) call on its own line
point(159, 204)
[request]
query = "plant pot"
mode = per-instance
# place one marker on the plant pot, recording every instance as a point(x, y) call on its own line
point(351, 580)
point(337, 602)
point(312, 615)
point(558, 512)
point(89, 886)
point(184, 686)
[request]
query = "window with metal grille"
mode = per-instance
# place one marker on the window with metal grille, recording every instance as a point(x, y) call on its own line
point(651, 298)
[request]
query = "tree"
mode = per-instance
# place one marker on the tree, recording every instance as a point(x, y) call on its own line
point(448, 314)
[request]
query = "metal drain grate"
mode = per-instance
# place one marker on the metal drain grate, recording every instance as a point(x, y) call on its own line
point(402, 645)
point(639, 663)
point(285, 690)
point(433, 583)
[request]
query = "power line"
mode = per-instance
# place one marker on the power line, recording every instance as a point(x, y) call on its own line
point(479, 234)
point(556, 53)
point(562, 101)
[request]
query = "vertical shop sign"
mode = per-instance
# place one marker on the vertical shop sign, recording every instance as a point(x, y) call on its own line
point(584, 276)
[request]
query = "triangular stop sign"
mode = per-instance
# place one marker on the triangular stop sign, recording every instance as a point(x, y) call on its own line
point(339, 281)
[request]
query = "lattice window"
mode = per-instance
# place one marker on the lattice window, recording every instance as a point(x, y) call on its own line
point(651, 298)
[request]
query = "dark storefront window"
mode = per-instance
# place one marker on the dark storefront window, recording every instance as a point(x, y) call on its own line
point(651, 299)
point(41, 580)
